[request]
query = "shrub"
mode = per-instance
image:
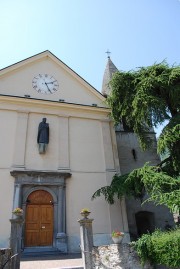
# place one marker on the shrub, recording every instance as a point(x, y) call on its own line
point(160, 248)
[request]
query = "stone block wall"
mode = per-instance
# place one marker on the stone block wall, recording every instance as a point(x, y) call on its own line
point(118, 256)
point(5, 254)
point(128, 143)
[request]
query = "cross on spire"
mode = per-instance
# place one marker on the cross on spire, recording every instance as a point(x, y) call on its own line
point(108, 53)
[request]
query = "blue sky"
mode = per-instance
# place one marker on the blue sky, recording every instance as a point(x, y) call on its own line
point(79, 32)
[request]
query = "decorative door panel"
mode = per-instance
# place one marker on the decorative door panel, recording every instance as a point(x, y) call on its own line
point(46, 225)
point(32, 225)
point(32, 238)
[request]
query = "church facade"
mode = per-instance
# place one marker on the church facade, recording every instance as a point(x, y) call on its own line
point(58, 146)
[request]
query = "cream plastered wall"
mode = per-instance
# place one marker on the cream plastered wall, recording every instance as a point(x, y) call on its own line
point(8, 121)
point(18, 81)
point(86, 145)
point(79, 192)
point(82, 141)
point(6, 196)
point(86, 151)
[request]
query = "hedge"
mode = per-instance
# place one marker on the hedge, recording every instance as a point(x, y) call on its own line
point(160, 248)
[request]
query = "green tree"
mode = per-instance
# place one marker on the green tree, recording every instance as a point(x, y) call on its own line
point(144, 99)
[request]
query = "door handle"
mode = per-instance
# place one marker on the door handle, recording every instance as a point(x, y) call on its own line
point(43, 227)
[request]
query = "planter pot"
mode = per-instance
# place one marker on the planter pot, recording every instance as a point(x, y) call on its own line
point(85, 214)
point(18, 214)
point(117, 240)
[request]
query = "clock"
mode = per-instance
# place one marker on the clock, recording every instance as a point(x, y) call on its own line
point(44, 83)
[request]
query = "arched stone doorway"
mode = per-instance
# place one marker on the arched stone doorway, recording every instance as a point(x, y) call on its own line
point(53, 184)
point(39, 219)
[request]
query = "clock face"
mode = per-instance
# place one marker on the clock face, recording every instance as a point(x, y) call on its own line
point(44, 83)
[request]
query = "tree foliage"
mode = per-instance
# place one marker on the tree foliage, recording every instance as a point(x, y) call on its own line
point(144, 99)
point(161, 188)
point(160, 248)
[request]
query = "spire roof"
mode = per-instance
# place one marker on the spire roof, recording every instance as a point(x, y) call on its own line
point(108, 73)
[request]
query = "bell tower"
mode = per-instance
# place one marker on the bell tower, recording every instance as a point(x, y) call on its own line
point(132, 157)
point(108, 73)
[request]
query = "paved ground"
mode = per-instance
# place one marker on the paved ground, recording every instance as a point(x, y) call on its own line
point(52, 262)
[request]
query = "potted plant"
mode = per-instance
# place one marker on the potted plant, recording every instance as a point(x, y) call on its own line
point(85, 212)
point(18, 211)
point(117, 237)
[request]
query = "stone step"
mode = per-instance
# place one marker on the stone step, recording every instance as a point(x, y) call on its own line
point(44, 251)
point(39, 249)
point(38, 254)
point(51, 260)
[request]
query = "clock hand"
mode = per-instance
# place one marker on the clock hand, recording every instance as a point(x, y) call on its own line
point(50, 82)
point(48, 87)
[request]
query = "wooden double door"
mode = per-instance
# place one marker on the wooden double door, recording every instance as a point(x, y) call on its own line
point(39, 220)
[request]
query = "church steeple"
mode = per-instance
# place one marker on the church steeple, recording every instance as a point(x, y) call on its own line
point(108, 73)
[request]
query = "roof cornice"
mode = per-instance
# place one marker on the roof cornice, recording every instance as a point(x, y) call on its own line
point(50, 103)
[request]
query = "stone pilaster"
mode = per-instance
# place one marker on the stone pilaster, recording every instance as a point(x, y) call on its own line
point(63, 144)
point(114, 147)
point(61, 235)
point(107, 145)
point(60, 209)
point(17, 195)
point(112, 167)
point(20, 140)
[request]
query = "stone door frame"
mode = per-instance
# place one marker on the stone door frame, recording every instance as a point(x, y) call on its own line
point(27, 181)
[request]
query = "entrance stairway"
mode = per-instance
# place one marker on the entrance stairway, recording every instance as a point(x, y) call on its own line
point(40, 252)
point(49, 259)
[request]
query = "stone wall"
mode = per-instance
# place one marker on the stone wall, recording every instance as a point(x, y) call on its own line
point(5, 254)
point(118, 256)
point(127, 142)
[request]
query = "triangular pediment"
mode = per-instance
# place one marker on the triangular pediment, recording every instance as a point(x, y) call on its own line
point(17, 80)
